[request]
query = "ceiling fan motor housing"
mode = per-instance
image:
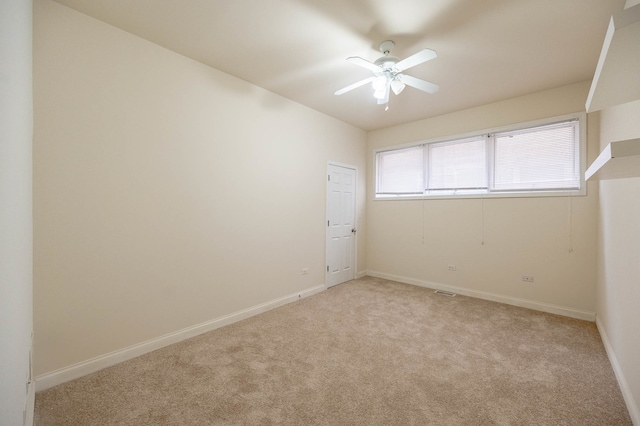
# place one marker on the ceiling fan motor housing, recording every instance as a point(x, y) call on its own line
point(387, 63)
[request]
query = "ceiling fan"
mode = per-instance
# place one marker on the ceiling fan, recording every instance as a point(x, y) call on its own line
point(388, 73)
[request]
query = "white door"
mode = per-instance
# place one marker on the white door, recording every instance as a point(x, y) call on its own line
point(341, 228)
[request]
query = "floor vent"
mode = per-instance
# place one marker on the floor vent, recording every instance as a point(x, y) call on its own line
point(445, 293)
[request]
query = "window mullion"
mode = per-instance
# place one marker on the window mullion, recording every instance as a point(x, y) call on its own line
point(425, 169)
point(490, 161)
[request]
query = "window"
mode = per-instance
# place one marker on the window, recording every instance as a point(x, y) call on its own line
point(457, 165)
point(531, 159)
point(401, 171)
point(545, 157)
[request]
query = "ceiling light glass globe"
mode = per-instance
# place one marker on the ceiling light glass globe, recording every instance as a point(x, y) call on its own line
point(379, 83)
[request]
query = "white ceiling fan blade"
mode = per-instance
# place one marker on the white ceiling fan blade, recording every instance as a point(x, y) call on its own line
point(354, 85)
point(356, 60)
point(425, 86)
point(416, 59)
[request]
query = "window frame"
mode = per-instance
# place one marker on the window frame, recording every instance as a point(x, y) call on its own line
point(581, 117)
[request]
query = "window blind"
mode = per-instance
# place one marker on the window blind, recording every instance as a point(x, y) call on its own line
point(457, 165)
point(545, 157)
point(401, 171)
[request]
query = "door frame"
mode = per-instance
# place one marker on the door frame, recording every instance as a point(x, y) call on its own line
point(355, 220)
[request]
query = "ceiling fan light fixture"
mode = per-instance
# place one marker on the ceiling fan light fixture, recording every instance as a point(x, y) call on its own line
point(379, 94)
point(397, 86)
point(379, 83)
point(379, 87)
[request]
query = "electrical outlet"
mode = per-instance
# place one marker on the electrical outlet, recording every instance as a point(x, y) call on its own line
point(305, 271)
point(452, 267)
point(527, 278)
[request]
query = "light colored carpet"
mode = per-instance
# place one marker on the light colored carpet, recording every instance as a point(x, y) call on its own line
point(367, 352)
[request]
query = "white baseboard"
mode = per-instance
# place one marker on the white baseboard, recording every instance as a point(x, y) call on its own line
point(632, 405)
point(529, 304)
point(361, 274)
point(75, 371)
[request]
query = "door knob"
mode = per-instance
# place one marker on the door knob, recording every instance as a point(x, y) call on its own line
point(353, 230)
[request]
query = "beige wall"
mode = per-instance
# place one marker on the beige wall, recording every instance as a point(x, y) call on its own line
point(16, 251)
point(552, 238)
point(166, 193)
point(618, 284)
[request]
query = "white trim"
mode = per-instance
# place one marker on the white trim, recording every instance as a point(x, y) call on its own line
point(361, 274)
point(75, 371)
point(30, 405)
point(339, 164)
point(514, 301)
point(502, 194)
point(632, 406)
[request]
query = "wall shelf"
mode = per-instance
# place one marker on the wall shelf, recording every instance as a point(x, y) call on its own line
point(618, 160)
point(616, 78)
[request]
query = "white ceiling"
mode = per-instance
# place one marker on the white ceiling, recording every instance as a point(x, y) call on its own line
point(488, 50)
